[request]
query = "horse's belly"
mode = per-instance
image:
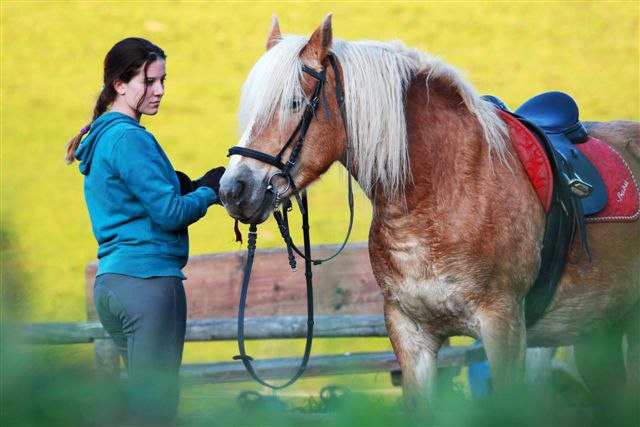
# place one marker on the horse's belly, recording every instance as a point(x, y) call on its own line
point(593, 295)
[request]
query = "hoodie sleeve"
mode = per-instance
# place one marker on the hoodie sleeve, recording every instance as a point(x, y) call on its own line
point(137, 159)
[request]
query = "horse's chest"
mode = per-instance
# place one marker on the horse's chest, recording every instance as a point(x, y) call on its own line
point(431, 300)
point(426, 293)
point(438, 302)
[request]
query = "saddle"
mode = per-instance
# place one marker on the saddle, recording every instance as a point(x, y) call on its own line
point(555, 119)
point(578, 189)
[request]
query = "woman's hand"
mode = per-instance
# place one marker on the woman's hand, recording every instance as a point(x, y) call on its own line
point(211, 179)
point(186, 185)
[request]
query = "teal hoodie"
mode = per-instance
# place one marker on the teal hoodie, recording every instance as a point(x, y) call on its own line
point(133, 195)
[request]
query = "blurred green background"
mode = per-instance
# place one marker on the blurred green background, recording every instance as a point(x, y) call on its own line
point(51, 73)
point(51, 68)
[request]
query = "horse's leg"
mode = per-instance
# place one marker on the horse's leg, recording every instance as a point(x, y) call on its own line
point(503, 334)
point(538, 370)
point(417, 352)
point(599, 359)
point(631, 328)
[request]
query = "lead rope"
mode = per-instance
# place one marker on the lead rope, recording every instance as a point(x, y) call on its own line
point(243, 356)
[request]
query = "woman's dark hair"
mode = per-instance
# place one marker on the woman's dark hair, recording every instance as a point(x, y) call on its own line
point(122, 63)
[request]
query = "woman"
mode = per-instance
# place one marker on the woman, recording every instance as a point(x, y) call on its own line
point(140, 209)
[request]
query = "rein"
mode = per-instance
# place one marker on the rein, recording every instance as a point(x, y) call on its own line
point(317, 97)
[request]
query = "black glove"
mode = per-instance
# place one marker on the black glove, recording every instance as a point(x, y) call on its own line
point(211, 179)
point(186, 185)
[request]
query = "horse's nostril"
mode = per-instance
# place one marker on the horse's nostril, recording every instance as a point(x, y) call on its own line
point(232, 192)
point(238, 189)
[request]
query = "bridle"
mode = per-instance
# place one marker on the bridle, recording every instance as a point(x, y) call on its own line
point(281, 217)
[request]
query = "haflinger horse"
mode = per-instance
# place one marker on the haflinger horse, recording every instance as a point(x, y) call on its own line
point(457, 227)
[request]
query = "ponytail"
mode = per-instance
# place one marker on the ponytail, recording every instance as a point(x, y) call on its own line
point(73, 144)
point(101, 106)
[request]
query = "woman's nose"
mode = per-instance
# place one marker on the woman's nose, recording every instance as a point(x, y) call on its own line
point(158, 89)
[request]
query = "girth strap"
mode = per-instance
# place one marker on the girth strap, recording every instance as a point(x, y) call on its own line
point(563, 220)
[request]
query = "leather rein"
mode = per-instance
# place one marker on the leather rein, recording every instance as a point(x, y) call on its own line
point(281, 215)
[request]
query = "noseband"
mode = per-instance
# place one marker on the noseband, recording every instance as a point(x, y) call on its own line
point(281, 218)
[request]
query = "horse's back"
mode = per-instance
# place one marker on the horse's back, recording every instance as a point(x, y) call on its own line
point(623, 135)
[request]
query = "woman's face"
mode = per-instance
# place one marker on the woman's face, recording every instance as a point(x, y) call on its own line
point(129, 94)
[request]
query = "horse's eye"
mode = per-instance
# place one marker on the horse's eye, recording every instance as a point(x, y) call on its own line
point(296, 104)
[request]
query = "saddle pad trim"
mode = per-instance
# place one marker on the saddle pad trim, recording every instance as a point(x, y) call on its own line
point(533, 158)
point(631, 196)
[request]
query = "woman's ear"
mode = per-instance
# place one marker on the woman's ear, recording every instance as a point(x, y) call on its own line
point(120, 87)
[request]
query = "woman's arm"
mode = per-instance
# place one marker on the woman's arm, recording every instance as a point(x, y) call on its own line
point(140, 164)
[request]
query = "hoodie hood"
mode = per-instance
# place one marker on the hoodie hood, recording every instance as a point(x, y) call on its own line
point(86, 149)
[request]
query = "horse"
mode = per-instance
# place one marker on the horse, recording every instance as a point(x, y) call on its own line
point(457, 227)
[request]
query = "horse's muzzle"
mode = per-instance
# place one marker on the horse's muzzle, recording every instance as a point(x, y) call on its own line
point(244, 197)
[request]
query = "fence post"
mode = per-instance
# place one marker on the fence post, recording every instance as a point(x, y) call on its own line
point(107, 356)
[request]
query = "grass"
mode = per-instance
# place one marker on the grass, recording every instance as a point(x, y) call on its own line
point(50, 74)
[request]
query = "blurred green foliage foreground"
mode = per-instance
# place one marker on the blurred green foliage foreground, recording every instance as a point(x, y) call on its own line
point(40, 387)
point(59, 393)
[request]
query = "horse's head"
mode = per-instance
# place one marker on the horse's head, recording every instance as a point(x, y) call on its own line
point(281, 90)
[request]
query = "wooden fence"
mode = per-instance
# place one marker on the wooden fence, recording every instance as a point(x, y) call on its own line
point(348, 303)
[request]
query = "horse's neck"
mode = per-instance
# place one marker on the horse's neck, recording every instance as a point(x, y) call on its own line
point(447, 152)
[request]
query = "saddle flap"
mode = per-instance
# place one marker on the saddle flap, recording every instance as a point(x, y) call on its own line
point(574, 163)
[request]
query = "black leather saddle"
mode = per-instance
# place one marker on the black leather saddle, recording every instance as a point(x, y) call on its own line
point(578, 188)
point(555, 116)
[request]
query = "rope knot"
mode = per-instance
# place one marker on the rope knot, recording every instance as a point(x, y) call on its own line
point(243, 357)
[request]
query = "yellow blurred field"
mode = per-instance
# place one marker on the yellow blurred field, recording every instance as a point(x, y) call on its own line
point(51, 73)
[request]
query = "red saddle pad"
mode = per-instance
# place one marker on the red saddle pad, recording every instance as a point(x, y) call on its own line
point(623, 198)
point(533, 158)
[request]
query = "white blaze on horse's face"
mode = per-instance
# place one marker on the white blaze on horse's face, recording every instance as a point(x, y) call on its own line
point(273, 101)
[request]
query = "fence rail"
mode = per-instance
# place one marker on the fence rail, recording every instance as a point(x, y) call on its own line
point(257, 328)
point(219, 329)
point(348, 303)
point(323, 365)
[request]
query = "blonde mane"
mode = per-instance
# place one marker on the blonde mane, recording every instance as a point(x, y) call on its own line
point(376, 76)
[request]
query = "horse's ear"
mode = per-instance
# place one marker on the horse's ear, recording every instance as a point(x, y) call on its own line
point(320, 43)
point(274, 33)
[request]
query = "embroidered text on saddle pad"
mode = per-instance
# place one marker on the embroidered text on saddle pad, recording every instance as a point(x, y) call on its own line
point(623, 199)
